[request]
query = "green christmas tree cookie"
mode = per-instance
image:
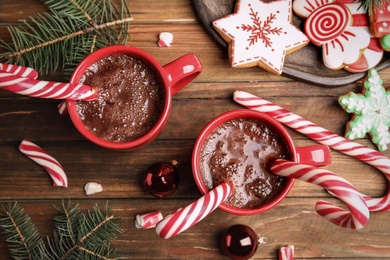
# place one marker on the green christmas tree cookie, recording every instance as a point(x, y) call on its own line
point(371, 111)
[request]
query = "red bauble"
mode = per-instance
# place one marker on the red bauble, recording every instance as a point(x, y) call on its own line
point(239, 242)
point(161, 179)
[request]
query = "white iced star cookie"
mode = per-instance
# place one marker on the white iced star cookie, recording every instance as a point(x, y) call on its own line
point(371, 111)
point(260, 34)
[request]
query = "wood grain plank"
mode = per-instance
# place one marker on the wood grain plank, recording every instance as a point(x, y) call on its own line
point(312, 235)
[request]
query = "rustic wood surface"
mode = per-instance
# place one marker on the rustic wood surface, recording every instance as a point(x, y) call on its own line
point(293, 222)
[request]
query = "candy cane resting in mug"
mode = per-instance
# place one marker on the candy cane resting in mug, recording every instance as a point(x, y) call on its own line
point(326, 137)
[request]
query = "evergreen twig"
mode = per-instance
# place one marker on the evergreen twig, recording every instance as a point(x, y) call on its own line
point(76, 235)
point(62, 37)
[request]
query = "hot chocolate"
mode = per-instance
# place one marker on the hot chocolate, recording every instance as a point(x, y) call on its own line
point(130, 101)
point(241, 150)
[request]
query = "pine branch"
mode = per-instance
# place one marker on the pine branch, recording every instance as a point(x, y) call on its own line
point(61, 38)
point(76, 235)
point(23, 239)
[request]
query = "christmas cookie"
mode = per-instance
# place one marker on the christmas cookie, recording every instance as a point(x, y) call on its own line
point(373, 54)
point(303, 8)
point(371, 111)
point(329, 26)
point(260, 34)
point(380, 24)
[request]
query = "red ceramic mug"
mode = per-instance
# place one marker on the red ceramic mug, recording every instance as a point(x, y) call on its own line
point(173, 77)
point(318, 155)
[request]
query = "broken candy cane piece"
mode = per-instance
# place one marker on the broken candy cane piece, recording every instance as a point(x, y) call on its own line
point(92, 188)
point(41, 157)
point(165, 39)
point(148, 220)
point(63, 108)
point(286, 252)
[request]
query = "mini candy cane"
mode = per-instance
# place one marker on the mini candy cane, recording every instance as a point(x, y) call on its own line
point(148, 220)
point(186, 217)
point(45, 89)
point(19, 70)
point(41, 157)
point(165, 39)
point(358, 215)
point(326, 137)
point(286, 252)
point(63, 108)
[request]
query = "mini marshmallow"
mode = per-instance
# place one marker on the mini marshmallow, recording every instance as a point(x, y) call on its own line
point(92, 188)
point(165, 39)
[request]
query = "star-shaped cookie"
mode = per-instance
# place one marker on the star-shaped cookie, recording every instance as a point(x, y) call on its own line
point(260, 34)
point(371, 111)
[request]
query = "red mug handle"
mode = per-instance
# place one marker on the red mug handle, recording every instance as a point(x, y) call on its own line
point(182, 71)
point(316, 155)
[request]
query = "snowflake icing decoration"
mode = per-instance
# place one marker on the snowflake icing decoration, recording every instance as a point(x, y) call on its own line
point(260, 30)
point(371, 111)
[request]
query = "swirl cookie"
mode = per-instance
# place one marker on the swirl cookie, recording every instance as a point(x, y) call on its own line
point(371, 112)
point(260, 34)
point(329, 26)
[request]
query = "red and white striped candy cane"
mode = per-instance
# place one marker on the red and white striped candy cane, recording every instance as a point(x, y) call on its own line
point(286, 252)
point(359, 213)
point(25, 72)
point(45, 89)
point(41, 157)
point(325, 137)
point(186, 217)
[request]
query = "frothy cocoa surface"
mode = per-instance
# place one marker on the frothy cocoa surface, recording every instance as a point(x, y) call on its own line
point(241, 150)
point(130, 100)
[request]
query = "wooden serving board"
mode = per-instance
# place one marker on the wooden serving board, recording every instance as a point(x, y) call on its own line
point(305, 64)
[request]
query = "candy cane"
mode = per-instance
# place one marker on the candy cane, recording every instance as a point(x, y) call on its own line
point(286, 252)
point(41, 157)
point(25, 72)
point(326, 137)
point(186, 217)
point(45, 89)
point(358, 215)
point(148, 220)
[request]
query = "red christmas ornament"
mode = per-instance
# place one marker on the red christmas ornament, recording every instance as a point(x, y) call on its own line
point(161, 179)
point(239, 242)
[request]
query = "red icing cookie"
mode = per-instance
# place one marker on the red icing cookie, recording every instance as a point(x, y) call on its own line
point(260, 34)
point(329, 26)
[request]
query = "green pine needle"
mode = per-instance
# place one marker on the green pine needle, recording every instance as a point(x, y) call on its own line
point(76, 235)
point(61, 38)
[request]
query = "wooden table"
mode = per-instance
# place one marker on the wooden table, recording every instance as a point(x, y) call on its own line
point(293, 222)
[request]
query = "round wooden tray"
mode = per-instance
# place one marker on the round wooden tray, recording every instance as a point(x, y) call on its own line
point(304, 65)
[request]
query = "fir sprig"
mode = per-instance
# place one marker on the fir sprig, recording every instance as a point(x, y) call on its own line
point(76, 235)
point(62, 37)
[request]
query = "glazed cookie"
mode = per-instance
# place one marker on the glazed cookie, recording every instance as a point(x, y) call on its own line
point(303, 8)
point(373, 54)
point(260, 34)
point(380, 24)
point(329, 26)
point(371, 112)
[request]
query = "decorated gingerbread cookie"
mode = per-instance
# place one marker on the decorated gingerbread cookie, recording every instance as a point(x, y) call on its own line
point(373, 54)
point(329, 26)
point(380, 24)
point(260, 34)
point(359, 20)
point(371, 111)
